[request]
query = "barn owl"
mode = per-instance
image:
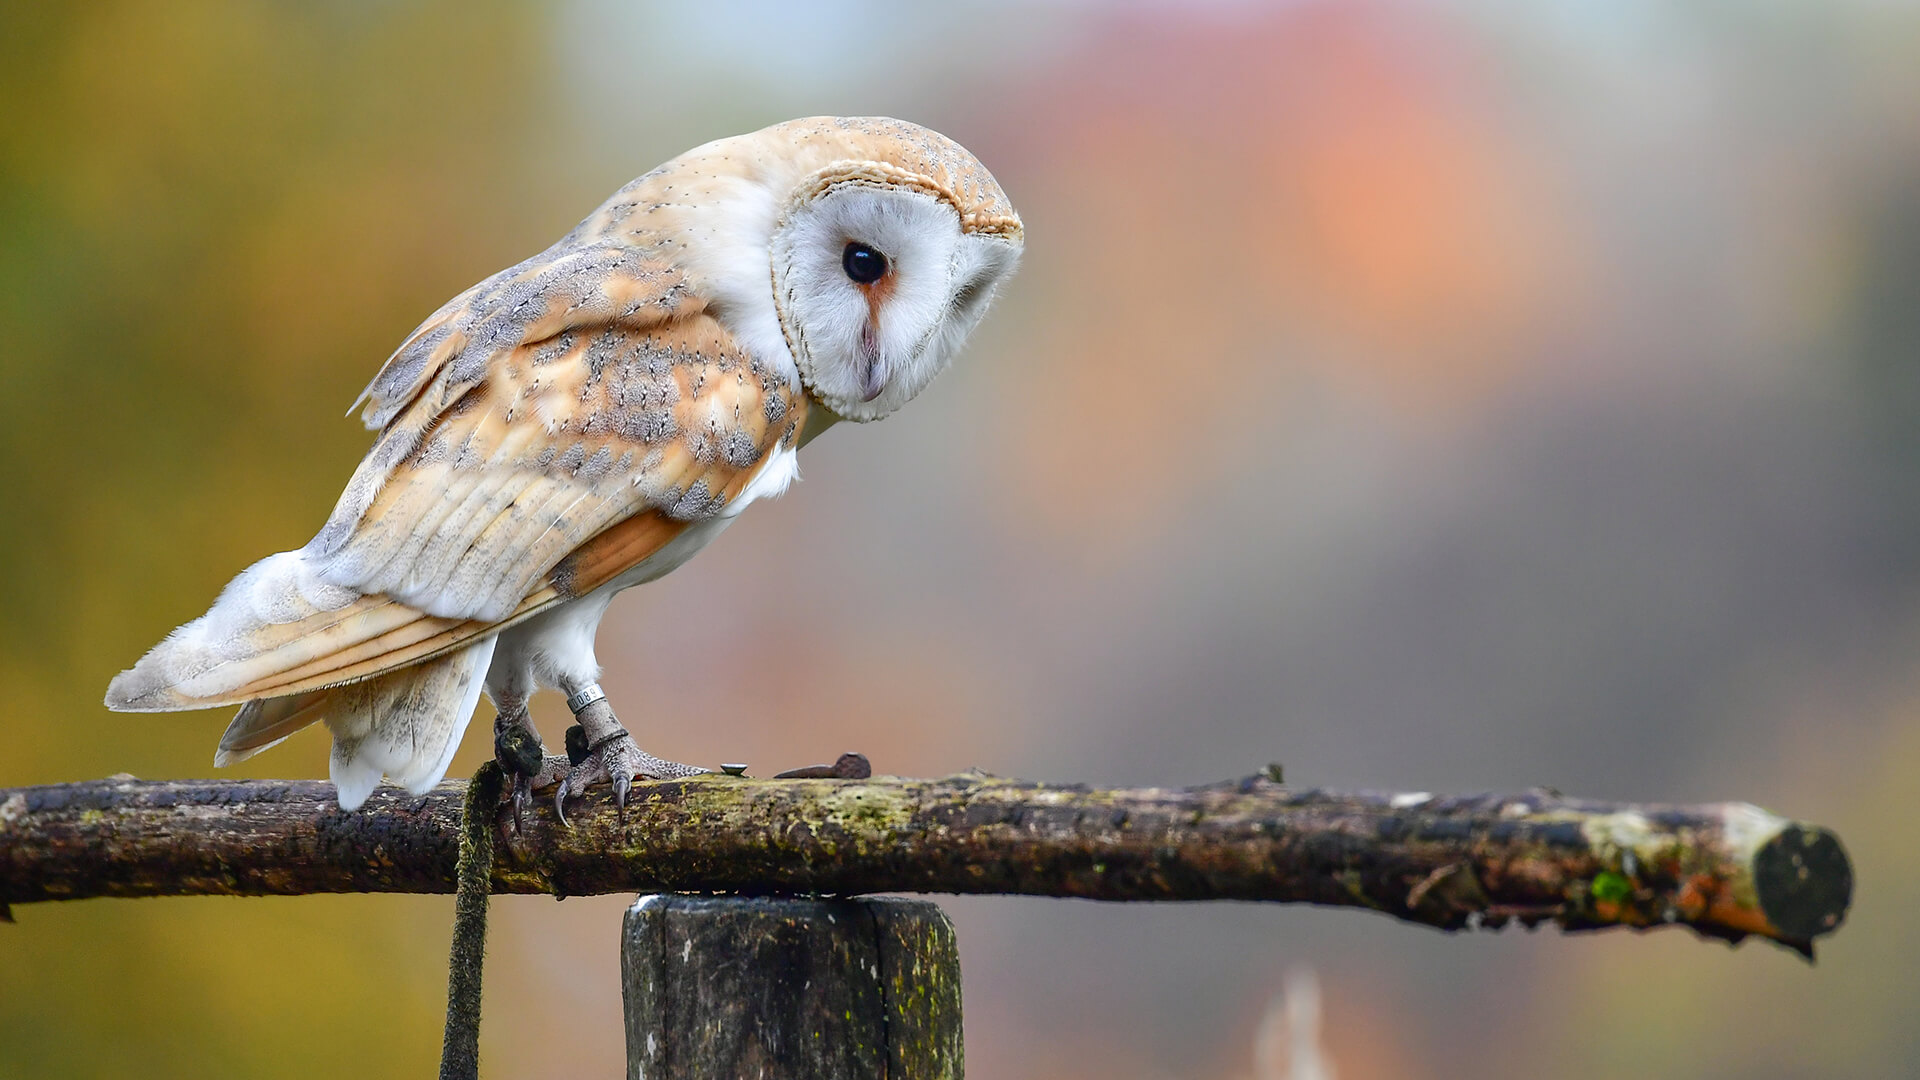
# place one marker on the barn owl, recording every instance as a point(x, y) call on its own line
point(585, 422)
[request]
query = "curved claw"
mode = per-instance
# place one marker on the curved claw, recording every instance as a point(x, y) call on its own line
point(614, 759)
point(522, 798)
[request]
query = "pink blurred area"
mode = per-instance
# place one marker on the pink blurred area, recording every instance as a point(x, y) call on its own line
point(1426, 397)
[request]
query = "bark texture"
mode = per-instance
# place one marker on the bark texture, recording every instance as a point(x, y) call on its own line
point(801, 989)
point(1727, 870)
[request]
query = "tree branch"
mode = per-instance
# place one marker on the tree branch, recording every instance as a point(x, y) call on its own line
point(1727, 870)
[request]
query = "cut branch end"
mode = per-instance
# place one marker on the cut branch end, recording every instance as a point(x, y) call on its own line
point(1728, 870)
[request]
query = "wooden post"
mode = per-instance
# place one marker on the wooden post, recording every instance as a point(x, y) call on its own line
point(865, 989)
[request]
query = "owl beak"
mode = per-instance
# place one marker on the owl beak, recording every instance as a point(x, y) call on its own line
point(873, 378)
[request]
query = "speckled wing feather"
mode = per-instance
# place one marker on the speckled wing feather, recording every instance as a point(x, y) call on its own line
point(544, 432)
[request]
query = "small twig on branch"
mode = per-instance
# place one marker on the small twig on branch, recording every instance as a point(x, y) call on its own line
point(1727, 870)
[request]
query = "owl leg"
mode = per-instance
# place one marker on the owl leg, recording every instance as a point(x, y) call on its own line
point(600, 749)
point(516, 746)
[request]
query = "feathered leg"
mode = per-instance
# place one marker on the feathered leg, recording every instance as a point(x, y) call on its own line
point(404, 724)
point(516, 746)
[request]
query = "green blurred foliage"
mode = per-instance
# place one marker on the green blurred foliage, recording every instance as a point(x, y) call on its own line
point(215, 218)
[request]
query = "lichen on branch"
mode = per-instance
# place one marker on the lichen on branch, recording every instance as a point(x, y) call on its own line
point(1728, 870)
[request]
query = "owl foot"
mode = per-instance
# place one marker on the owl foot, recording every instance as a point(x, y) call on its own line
point(598, 748)
point(516, 746)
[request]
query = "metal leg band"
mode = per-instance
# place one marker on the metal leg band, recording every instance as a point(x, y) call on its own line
point(584, 697)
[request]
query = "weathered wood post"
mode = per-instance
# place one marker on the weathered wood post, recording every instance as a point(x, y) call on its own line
point(864, 989)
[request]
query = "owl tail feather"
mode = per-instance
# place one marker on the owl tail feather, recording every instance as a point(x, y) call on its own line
point(404, 725)
point(277, 617)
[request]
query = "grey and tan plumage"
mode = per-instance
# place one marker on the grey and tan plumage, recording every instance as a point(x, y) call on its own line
point(587, 421)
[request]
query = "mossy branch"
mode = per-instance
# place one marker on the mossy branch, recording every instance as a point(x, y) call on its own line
point(1727, 870)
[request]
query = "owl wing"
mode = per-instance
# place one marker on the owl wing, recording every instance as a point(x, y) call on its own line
point(544, 432)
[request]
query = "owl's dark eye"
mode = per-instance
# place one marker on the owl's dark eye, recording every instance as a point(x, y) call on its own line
point(863, 264)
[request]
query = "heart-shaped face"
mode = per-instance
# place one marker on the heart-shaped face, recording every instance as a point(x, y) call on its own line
point(878, 279)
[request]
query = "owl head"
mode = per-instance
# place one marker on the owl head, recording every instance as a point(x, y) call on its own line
point(879, 275)
point(866, 249)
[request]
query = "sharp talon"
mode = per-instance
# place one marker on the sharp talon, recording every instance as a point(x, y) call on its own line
point(621, 785)
point(522, 802)
point(560, 802)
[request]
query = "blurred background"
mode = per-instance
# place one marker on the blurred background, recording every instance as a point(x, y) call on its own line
point(1531, 395)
